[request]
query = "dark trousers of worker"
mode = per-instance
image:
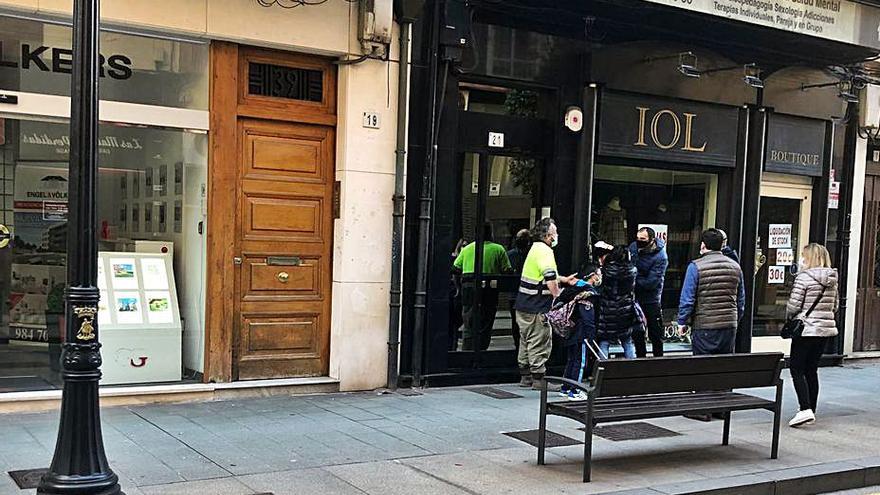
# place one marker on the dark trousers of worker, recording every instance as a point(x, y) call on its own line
point(654, 315)
point(486, 308)
point(714, 341)
point(804, 366)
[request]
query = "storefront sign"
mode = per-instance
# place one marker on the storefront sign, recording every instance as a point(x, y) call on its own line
point(834, 195)
point(653, 128)
point(784, 256)
point(780, 235)
point(775, 274)
point(795, 145)
point(838, 20)
point(661, 230)
point(60, 60)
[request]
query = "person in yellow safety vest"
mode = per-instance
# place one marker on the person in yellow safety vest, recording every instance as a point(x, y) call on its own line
point(539, 285)
point(495, 262)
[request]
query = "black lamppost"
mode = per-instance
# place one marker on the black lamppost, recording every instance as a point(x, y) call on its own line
point(79, 465)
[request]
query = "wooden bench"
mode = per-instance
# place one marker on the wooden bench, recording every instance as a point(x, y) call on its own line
point(626, 390)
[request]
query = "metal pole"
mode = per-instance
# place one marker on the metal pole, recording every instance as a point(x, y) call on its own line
point(399, 201)
point(426, 201)
point(79, 465)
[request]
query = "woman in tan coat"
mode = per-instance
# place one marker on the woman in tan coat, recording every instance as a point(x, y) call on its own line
point(816, 280)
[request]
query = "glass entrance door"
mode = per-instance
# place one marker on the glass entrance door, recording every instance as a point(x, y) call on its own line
point(783, 231)
point(498, 197)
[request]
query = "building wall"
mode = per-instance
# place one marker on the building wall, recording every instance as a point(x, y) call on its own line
point(315, 29)
point(364, 159)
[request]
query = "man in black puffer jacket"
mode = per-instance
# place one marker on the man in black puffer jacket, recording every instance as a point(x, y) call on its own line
point(616, 312)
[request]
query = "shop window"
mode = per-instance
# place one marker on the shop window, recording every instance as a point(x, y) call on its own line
point(36, 57)
point(677, 205)
point(150, 213)
point(502, 51)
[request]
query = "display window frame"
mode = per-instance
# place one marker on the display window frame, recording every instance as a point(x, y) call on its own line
point(795, 188)
point(54, 108)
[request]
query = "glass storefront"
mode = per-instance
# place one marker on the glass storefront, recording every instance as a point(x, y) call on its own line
point(677, 205)
point(150, 199)
point(35, 57)
point(151, 210)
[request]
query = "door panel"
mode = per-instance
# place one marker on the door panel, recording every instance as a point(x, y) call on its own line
point(285, 243)
point(867, 329)
point(787, 205)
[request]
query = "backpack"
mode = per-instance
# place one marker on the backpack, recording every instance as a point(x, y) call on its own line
point(560, 316)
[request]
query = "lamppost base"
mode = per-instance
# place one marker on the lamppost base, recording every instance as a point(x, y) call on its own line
point(80, 485)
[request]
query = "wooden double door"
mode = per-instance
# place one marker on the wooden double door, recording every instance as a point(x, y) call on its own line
point(867, 328)
point(271, 214)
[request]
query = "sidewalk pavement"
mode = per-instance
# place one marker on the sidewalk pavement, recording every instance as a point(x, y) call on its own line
point(446, 441)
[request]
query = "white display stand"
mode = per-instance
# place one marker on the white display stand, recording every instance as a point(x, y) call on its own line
point(138, 318)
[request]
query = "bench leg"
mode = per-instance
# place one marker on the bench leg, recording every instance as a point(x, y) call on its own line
point(726, 439)
point(542, 426)
point(777, 419)
point(588, 447)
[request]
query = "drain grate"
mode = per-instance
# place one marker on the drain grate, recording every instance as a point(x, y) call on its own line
point(28, 478)
point(409, 392)
point(553, 439)
point(632, 431)
point(495, 393)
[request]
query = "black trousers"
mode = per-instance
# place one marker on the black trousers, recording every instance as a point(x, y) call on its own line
point(654, 314)
point(804, 366)
point(487, 308)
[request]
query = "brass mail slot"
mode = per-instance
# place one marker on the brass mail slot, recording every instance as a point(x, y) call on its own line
point(283, 261)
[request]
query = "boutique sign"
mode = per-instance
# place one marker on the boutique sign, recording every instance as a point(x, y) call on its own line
point(665, 129)
point(795, 145)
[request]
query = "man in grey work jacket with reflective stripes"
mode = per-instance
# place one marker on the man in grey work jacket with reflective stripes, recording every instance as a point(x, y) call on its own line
point(712, 299)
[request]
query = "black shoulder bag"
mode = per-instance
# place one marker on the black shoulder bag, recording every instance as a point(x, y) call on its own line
point(795, 326)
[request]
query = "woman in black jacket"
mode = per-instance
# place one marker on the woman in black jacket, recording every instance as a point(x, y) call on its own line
point(616, 315)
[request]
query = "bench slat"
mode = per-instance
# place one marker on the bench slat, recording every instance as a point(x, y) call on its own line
point(646, 407)
point(613, 386)
point(690, 365)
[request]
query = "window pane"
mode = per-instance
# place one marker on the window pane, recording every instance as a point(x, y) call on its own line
point(34, 171)
point(681, 203)
point(36, 57)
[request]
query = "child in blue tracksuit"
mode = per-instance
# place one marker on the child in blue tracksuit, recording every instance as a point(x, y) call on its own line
point(585, 329)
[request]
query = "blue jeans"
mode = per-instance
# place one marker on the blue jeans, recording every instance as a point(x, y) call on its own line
point(629, 347)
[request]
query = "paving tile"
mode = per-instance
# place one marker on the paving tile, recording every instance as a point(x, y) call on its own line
point(393, 478)
point(303, 481)
point(224, 486)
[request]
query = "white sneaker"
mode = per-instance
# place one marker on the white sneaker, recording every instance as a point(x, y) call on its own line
point(563, 393)
point(579, 395)
point(804, 417)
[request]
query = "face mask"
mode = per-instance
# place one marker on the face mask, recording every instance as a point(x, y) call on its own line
point(642, 244)
point(554, 242)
